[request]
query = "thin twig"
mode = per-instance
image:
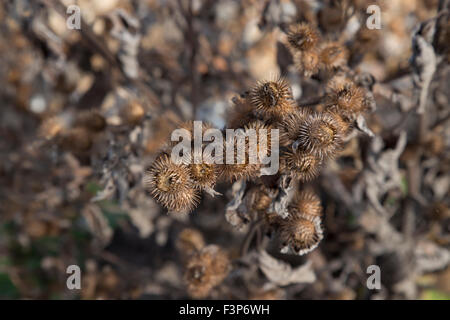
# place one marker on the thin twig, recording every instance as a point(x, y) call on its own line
point(191, 37)
point(249, 237)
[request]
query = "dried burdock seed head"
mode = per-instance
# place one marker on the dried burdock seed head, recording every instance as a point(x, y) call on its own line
point(198, 280)
point(307, 62)
point(302, 165)
point(258, 199)
point(320, 134)
point(241, 112)
point(306, 203)
point(262, 129)
point(250, 168)
point(302, 37)
point(345, 98)
point(343, 123)
point(300, 233)
point(189, 241)
point(234, 172)
point(272, 98)
point(339, 80)
point(133, 113)
point(77, 139)
point(204, 175)
point(257, 125)
point(290, 126)
point(333, 55)
point(205, 270)
point(171, 185)
point(91, 120)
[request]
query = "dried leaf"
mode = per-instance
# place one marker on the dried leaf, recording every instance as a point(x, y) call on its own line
point(236, 211)
point(283, 274)
point(286, 188)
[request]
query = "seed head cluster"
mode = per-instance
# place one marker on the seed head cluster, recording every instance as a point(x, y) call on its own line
point(308, 137)
point(206, 269)
point(311, 54)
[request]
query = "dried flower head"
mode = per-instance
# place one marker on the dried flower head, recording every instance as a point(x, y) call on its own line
point(204, 175)
point(250, 168)
point(241, 113)
point(291, 124)
point(302, 165)
point(302, 37)
point(300, 233)
point(262, 129)
point(171, 185)
point(258, 199)
point(205, 270)
point(333, 55)
point(345, 98)
point(320, 134)
point(306, 203)
point(307, 62)
point(344, 124)
point(257, 125)
point(272, 98)
point(189, 241)
point(234, 172)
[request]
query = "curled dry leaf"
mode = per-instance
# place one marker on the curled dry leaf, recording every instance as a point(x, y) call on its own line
point(235, 211)
point(281, 273)
point(285, 194)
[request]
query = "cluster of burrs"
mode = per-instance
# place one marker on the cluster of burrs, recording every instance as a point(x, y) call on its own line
point(308, 137)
